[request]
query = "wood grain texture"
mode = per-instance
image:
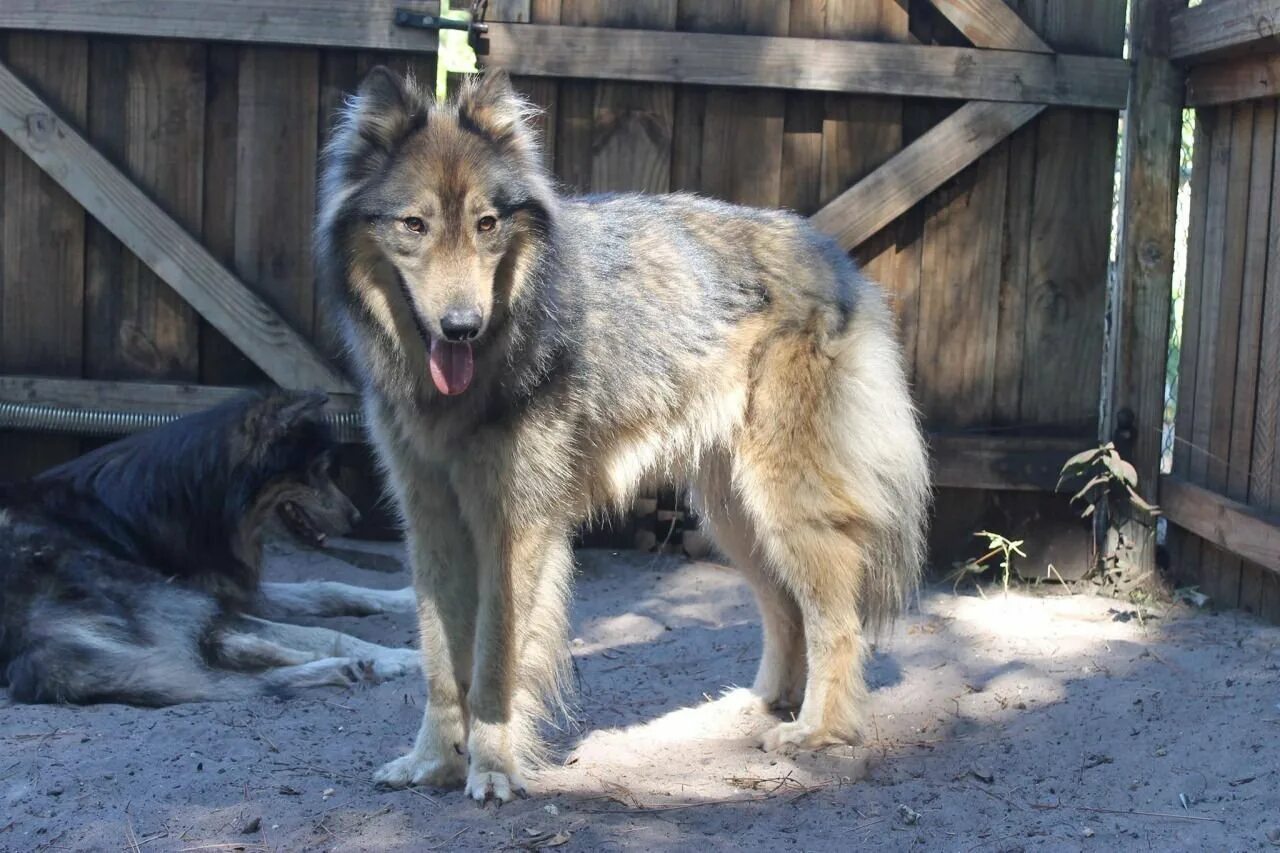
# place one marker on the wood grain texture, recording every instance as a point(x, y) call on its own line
point(1243, 79)
point(1264, 485)
point(1236, 527)
point(41, 246)
point(146, 112)
point(107, 395)
point(741, 144)
point(959, 310)
point(1070, 232)
point(324, 23)
point(1222, 27)
point(275, 178)
point(156, 239)
point(919, 169)
point(992, 24)
point(974, 461)
point(808, 64)
point(1144, 275)
point(631, 123)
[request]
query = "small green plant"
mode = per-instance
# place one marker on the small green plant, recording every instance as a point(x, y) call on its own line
point(1107, 486)
point(997, 546)
point(1106, 478)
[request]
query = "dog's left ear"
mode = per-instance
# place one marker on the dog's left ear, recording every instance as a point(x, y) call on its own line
point(490, 106)
point(281, 414)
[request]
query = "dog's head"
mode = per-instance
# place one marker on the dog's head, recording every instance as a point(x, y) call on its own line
point(438, 200)
point(288, 453)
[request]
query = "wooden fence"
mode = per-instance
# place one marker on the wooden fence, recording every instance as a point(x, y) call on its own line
point(1224, 491)
point(158, 191)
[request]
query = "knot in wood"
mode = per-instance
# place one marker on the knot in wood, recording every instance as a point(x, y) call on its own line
point(40, 126)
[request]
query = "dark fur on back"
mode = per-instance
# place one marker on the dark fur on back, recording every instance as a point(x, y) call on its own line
point(115, 567)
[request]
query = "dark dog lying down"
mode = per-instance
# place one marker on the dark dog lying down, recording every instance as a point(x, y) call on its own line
point(132, 574)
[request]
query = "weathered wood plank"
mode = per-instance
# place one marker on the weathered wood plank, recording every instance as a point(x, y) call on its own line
point(275, 178)
point(1243, 79)
point(741, 146)
point(1220, 572)
point(321, 23)
point(975, 461)
point(1264, 486)
point(719, 59)
point(146, 112)
point(1248, 371)
point(159, 241)
point(1236, 527)
point(106, 395)
point(991, 24)
point(631, 123)
point(1144, 277)
point(919, 169)
point(959, 297)
point(41, 247)
point(1220, 27)
point(859, 134)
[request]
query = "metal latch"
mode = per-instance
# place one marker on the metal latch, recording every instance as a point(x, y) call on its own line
point(475, 27)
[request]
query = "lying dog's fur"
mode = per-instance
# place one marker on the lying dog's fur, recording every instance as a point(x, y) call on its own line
point(132, 574)
point(526, 359)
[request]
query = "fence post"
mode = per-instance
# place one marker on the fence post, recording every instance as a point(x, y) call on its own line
point(1144, 277)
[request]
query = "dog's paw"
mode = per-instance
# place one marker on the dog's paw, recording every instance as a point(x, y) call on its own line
point(415, 769)
point(397, 665)
point(797, 735)
point(485, 785)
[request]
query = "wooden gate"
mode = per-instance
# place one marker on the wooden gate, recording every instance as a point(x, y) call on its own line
point(963, 150)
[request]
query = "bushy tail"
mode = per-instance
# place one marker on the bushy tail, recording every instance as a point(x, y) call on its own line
point(884, 449)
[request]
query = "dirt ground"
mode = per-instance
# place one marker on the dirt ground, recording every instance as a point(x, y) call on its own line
point(1047, 723)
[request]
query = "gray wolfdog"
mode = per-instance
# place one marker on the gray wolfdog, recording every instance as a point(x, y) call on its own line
point(132, 574)
point(526, 359)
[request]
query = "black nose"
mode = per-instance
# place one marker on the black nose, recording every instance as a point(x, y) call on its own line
point(461, 324)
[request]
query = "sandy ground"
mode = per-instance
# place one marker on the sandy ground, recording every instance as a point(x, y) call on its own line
point(1046, 723)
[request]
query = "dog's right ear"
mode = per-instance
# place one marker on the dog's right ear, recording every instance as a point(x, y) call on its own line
point(385, 108)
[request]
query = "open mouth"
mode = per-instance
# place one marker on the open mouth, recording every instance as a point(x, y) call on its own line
point(452, 366)
point(299, 523)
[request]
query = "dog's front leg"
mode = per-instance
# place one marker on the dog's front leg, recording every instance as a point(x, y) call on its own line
point(520, 652)
point(443, 560)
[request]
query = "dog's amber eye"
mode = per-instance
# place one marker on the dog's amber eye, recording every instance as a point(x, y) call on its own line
point(487, 223)
point(414, 224)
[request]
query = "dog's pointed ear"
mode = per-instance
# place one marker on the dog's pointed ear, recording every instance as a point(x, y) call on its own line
point(489, 105)
point(385, 108)
point(283, 412)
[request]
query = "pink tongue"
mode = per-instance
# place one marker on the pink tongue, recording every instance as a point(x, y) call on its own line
point(451, 366)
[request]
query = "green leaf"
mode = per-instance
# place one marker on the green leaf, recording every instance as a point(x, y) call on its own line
point(1100, 480)
point(1123, 471)
point(1083, 458)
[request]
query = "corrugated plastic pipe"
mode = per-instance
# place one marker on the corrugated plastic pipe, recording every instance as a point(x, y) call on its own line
point(346, 426)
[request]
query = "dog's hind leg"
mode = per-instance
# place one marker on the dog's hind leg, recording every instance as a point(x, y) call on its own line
point(780, 678)
point(832, 472)
point(385, 662)
point(331, 598)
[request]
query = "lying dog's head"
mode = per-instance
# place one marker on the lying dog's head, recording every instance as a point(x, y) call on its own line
point(435, 201)
point(286, 450)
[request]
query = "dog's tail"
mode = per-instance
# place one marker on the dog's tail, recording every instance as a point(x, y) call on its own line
point(879, 438)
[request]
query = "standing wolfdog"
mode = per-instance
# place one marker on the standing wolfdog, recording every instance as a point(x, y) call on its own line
point(527, 358)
